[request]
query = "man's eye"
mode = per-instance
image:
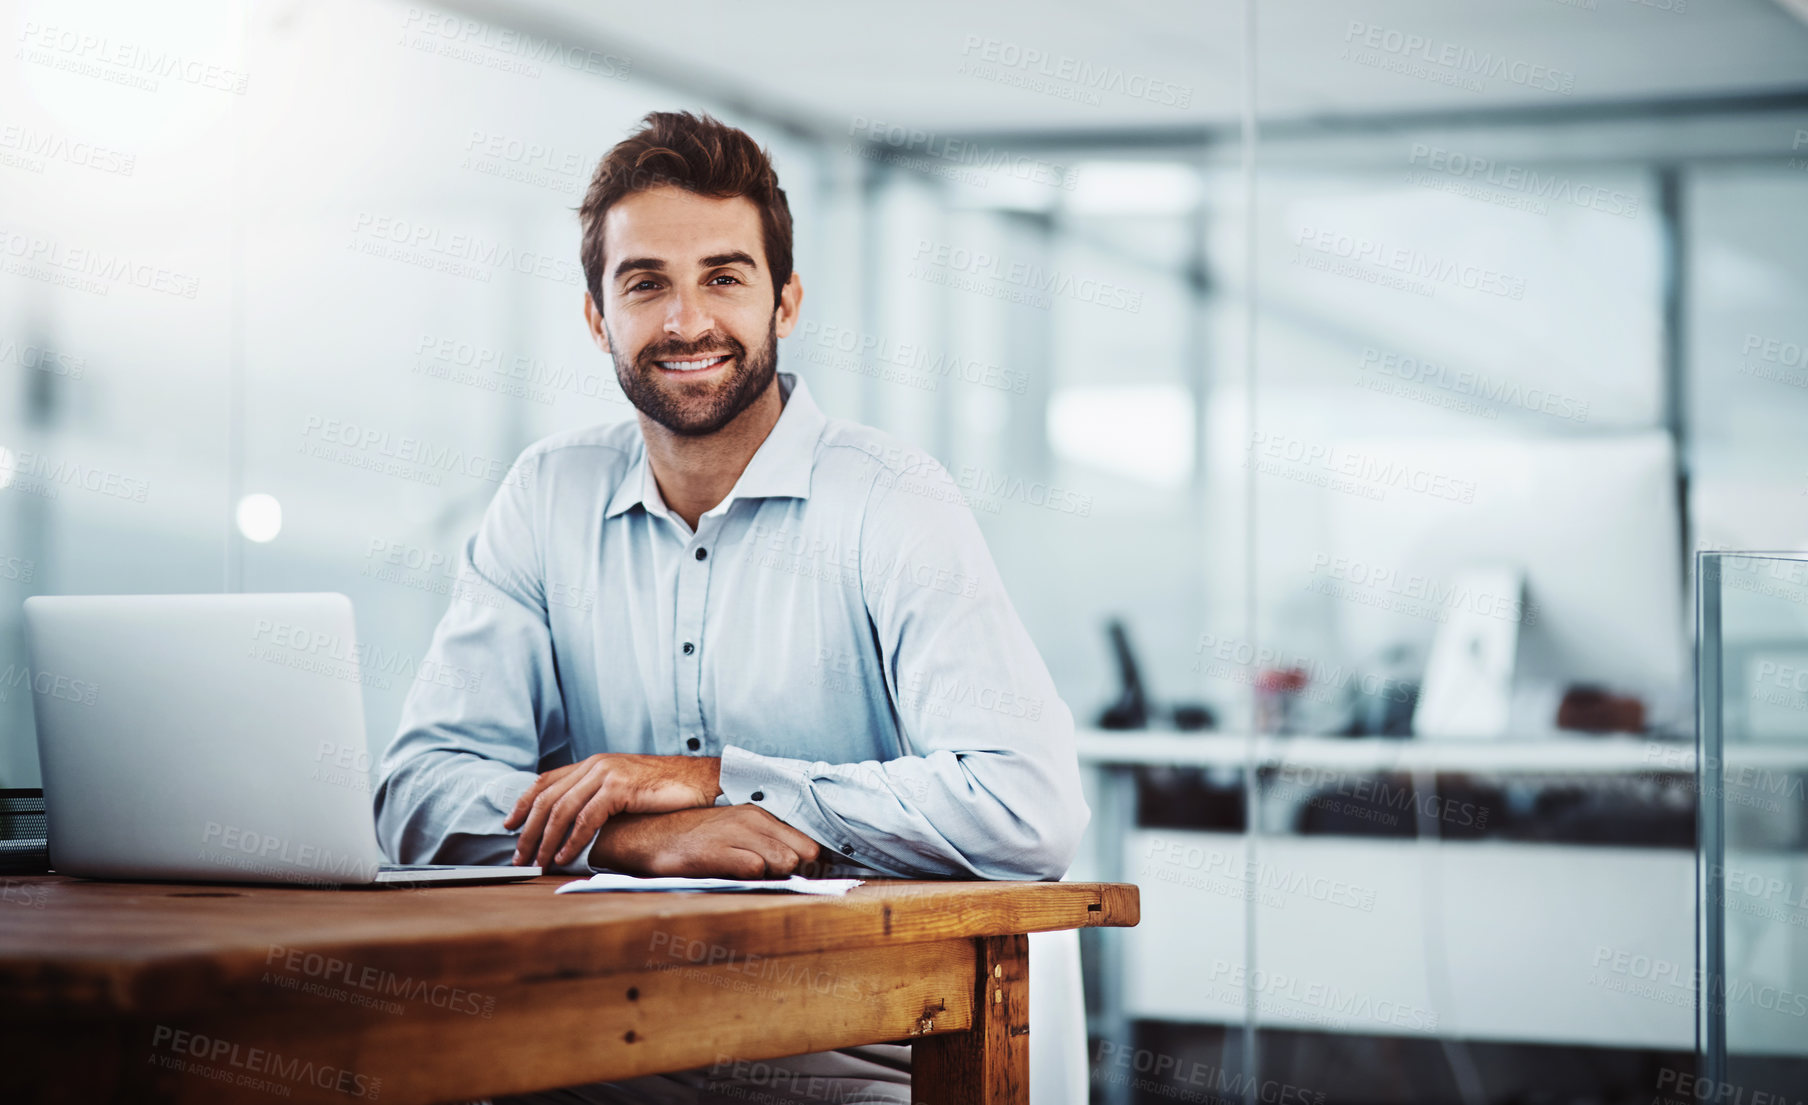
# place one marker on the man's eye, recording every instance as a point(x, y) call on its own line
point(644, 284)
point(724, 276)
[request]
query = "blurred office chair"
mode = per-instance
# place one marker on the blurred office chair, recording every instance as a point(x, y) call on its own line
point(1058, 1070)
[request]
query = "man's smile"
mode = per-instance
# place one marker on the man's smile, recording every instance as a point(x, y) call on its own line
point(696, 364)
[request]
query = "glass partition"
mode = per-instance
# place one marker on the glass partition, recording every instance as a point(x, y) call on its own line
point(1753, 680)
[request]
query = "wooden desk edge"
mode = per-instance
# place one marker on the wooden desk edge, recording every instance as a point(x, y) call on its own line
point(148, 980)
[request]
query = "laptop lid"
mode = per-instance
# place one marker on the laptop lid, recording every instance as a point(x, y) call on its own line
point(202, 737)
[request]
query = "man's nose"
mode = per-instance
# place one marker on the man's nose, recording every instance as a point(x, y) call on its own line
point(689, 318)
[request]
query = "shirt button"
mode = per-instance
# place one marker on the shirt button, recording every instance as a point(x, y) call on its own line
point(847, 849)
point(689, 648)
point(757, 795)
point(693, 744)
point(702, 553)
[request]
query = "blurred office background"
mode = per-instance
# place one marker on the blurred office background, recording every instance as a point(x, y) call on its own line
point(1378, 367)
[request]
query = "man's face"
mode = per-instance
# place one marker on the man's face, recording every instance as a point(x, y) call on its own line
point(687, 308)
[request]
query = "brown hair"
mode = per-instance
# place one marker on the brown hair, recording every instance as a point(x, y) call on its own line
point(699, 154)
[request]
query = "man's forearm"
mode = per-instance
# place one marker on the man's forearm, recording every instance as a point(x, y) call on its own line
point(743, 842)
point(623, 843)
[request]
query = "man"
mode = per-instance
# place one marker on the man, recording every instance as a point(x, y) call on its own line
point(733, 637)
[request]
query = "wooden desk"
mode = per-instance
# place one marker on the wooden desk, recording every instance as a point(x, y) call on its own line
point(148, 992)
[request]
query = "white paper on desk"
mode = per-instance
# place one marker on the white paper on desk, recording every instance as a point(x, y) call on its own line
point(795, 884)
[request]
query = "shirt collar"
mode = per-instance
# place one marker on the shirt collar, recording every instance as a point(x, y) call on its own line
point(780, 467)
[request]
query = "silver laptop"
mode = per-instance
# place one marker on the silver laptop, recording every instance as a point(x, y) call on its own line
point(214, 738)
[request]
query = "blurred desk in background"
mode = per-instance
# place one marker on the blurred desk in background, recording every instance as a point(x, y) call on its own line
point(1451, 919)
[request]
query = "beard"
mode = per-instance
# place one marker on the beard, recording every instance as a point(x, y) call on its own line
point(696, 409)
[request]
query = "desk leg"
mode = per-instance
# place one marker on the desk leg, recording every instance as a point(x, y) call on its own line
point(989, 1064)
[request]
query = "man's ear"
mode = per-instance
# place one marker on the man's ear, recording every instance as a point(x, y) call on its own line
point(593, 321)
point(790, 302)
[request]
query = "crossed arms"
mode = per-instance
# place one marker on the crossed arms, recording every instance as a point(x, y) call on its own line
point(652, 815)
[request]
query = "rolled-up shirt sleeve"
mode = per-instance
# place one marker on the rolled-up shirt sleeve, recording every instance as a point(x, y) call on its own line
point(989, 786)
point(486, 710)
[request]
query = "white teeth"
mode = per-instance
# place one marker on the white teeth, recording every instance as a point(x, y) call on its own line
point(692, 366)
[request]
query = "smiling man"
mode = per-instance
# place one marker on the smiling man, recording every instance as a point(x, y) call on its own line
point(734, 636)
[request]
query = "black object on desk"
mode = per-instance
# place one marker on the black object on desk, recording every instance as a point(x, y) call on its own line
point(1132, 710)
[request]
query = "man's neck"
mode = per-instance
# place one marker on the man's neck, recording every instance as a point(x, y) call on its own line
point(696, 473)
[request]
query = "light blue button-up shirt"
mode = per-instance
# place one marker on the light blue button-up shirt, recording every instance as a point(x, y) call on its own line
point(835, 630)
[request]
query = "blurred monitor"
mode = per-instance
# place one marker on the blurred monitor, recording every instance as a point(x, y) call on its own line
point(1591, 521)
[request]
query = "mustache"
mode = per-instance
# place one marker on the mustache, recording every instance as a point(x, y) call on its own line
point(679, 351)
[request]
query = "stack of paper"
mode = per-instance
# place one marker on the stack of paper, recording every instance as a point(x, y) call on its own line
point(795, 884)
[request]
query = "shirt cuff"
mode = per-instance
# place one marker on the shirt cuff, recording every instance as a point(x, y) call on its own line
point(775, 785)
point(580, 866)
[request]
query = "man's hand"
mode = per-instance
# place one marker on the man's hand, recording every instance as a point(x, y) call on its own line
point(730, 842)
point(566, 805)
